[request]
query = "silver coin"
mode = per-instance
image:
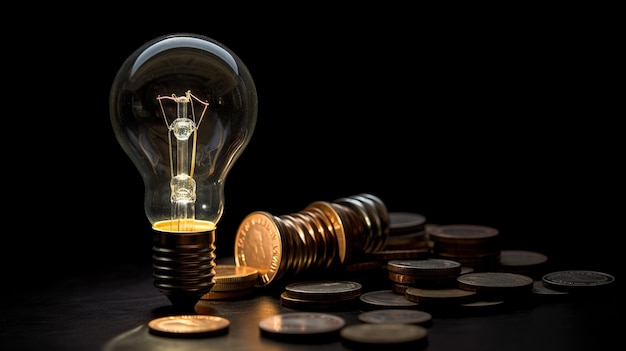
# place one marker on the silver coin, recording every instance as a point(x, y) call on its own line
point(301, 323)
point(396, 315)
point(383, 334)
point(540, 289)
point(386, 298)
point(488, 280)
point(406, 222)
point(426, 267)
point(325, 289)
point(576, 279)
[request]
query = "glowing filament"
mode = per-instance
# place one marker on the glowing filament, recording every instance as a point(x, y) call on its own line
point(184, 129)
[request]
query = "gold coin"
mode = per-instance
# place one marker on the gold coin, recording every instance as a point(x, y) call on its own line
point(258, 244)
point(229, 277)
point(230, 273)
point(343, 244)
point(189, 326)
point(229, 294)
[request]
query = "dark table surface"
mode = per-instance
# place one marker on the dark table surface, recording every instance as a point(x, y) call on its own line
point(109, 310)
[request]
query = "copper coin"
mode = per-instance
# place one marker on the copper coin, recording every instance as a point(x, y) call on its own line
point(521, 258)
point(189, 326)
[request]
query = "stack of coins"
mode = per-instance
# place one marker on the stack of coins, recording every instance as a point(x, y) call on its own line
point(439, 298)
point(232, 282)
point(524, 262)
point(374, 217)
point(474, 246)
point(407, 230)
point(321, 295)
point(430, 272)
point(473, 292)
point(407, 238)
point(321, 236)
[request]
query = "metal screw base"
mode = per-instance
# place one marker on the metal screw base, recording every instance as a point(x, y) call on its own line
point(183, 266)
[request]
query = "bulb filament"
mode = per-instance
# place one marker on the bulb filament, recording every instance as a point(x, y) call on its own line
point(184, 128)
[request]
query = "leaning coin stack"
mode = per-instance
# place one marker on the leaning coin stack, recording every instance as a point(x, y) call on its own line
point(321, 236)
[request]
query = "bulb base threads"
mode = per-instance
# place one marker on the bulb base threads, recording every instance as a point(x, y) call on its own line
point(183, 266)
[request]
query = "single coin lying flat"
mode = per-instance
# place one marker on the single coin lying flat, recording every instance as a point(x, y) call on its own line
point(576, 280)
point(301, 324)
point(396, 315)
point(189, 326)
point(365, 335)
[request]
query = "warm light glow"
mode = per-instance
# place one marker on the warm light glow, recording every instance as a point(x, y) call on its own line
point(183, 108)
point(184, 128)
point(178, 225)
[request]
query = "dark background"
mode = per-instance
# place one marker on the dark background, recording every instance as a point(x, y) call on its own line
point(507, 118)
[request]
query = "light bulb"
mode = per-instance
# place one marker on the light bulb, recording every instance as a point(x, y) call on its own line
point(183, 107)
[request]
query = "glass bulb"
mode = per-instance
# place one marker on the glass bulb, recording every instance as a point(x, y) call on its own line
point(183, 107)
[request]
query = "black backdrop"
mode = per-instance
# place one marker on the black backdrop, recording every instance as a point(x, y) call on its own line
point(502, 121)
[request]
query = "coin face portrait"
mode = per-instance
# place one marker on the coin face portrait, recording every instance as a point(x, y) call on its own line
point(258, 245)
